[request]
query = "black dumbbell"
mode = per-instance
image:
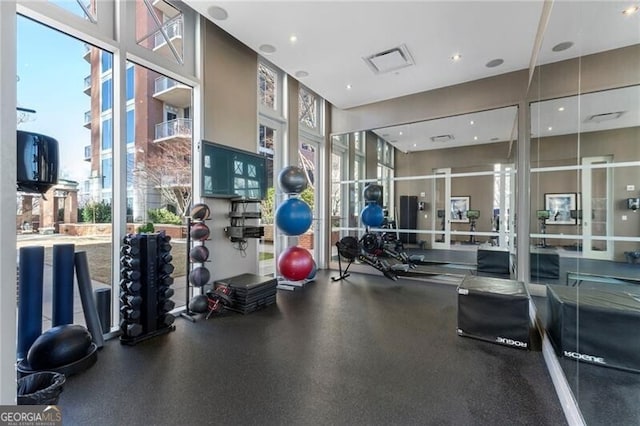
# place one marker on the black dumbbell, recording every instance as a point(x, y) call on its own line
point(165, 292)
point(129, 313)
point(131, 300)
point(129, 250)
point(167, 305)
point(130, 262)
point(130, 286)
point(131, 275)
point(166, 320)
point(130, 329)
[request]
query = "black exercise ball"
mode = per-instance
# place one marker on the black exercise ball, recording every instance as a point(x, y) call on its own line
point(372, 192)
point(292, 180)
point(59, 346)
point(199, 304)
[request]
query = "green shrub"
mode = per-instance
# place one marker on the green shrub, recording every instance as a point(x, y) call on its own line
point(146, 229)
point(94, 212)
point(164, 216)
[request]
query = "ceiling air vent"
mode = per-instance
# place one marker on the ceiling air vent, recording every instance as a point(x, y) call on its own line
point(599, 118)
point(390, 60)
point(442, 138)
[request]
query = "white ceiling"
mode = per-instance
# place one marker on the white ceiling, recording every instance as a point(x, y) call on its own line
point(333, 37)
point(468, 129)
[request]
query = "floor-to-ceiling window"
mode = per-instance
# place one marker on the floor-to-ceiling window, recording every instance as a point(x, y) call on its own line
point(125, 130)
point(271, 124)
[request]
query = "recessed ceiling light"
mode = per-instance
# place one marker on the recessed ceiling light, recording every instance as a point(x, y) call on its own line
point(561, 109)
point(218, 13)
point(415, 144)
point(348, 87)
point(456, 57)
point(550, 128)
point(562, 46)
point(267, 48)
point(630, 10)
point(494, 63)
point(475, 138)
point(472, 122)
point(293, 38)
point(301, 74)
point(400, 133)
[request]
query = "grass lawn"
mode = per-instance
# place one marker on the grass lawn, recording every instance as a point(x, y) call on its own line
point(99, 258)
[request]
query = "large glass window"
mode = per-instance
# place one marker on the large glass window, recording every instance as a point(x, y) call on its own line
point(107, 94)
point(107, 134)
point(308, 109)
point(107, 173)
point(106, 62)
point(131, 128)
point(267, 86)
point(130, 83)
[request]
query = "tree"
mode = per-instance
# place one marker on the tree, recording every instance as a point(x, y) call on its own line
point(168, 170)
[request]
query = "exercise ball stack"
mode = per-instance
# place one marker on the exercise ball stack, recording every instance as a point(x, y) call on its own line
point(293, 217)
point(372, 214)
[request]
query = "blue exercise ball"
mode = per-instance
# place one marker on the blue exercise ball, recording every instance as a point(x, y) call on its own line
point(372, 215)
point(292, 180)
point(293, 217)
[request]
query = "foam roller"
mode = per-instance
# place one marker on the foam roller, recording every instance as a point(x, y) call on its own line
point(86, 297)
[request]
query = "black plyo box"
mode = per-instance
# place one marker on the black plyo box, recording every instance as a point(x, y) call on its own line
point(596, 326)
point(250, 291)
point(495, 310)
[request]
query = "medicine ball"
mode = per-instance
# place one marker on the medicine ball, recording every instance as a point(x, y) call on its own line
point(200, 211)
point(199, 254)
point(199, 232)
point(199, 304)
point(199, 276)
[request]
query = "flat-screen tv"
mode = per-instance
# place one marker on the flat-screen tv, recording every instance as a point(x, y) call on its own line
point(230, 173)
point(37, 168)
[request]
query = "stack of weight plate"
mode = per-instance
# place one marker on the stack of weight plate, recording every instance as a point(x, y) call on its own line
point(250, 292)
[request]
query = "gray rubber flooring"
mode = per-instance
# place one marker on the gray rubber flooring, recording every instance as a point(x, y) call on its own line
point(363, 351)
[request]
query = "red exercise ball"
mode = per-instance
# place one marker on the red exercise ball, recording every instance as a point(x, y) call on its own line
point(295, 263)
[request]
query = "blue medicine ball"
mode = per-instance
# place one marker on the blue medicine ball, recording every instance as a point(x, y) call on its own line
point(372, 215)
point(293, 217)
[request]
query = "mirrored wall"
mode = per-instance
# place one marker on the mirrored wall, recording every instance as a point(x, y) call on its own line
point(448, 191)
point(584, 219)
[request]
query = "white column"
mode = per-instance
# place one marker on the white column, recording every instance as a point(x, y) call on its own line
point(8, 76)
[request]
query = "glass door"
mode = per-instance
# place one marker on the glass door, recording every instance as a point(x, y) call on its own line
point(308, 152)
point(596, 208)
point(440, 213)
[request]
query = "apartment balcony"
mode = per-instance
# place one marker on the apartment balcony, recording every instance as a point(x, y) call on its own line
point(172, 92)
point(174, 31)
point(173, 130)
point(166, 9)
point(87, 153)
point(87, 53)
point(87, 119)
point(87, 85)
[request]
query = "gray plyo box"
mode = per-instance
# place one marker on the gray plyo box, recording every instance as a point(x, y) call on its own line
point(495, 310)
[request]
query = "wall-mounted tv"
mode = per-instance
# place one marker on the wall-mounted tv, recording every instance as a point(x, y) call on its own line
point(229, 172)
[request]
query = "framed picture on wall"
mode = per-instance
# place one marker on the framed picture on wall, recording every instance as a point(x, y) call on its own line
point(459, 208)
point(560, 207)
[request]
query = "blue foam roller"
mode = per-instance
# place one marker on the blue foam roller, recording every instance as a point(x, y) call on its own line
point(63, 262)
point(31, 270)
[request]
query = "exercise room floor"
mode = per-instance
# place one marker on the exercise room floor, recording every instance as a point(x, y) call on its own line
point(365, 350)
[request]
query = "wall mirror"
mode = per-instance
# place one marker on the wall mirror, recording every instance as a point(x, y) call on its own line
point(447, 186)
point(584, 231)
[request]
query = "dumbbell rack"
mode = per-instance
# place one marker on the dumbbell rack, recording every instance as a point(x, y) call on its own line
point(188, 314)
point(145, 287)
